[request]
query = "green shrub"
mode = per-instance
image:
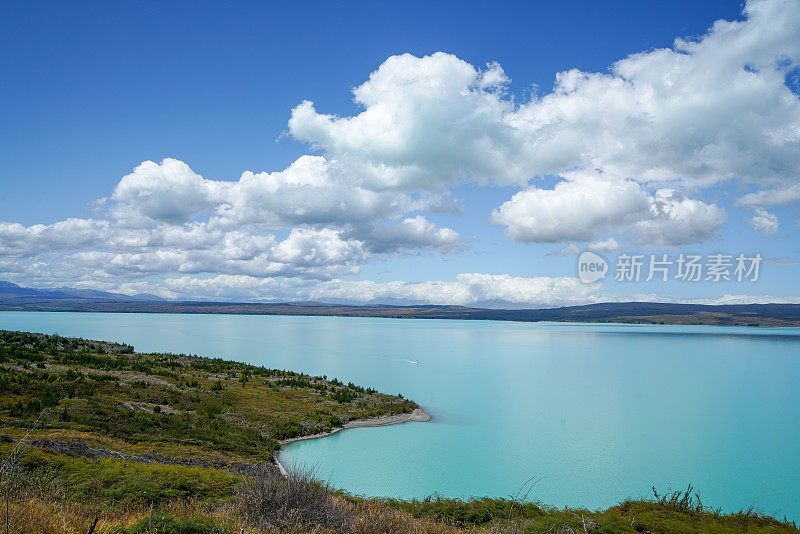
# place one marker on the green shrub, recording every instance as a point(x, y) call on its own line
point(168, 523)
point(121, 484)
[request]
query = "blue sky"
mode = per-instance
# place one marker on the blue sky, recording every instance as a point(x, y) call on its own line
point(93, 90)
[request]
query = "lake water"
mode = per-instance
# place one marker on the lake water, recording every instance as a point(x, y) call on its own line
point(596, 413)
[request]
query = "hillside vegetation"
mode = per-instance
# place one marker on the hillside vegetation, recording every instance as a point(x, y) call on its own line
point(98, 438)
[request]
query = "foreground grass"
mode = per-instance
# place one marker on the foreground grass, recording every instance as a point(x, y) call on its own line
point(656, 515)
point(142, 443)
point(346, 514)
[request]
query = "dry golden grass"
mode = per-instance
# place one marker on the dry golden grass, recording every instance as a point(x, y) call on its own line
point(36, 515)
point(45, 516)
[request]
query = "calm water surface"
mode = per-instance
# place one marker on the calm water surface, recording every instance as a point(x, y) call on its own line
point(595, 413)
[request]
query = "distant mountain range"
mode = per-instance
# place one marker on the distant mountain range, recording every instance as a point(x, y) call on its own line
point(9, 292)
point(14, 297)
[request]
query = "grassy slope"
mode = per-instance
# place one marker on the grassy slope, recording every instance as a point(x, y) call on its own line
point(120, 430)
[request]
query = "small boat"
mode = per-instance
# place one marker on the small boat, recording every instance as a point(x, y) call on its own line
point(413, 361)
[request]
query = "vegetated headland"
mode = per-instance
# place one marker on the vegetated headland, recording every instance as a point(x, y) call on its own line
point(95, 437)
point(16, 298)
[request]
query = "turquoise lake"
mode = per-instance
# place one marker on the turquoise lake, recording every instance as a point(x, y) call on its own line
point(596, 413)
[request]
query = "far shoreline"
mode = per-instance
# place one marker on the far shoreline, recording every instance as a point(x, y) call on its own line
point(646, 313)
point(416, 415)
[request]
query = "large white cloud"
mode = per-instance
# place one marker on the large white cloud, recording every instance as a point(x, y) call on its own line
point(675, 220)
point(703, 111)
point(125, 253)
point(82, 249)
point(306, 192)
point(427, 122)
point(19, 240)
point(169, 191)
point(579, 209)
point(589, 205)
point(164, 218)
point(318, 248)
point(706, 110)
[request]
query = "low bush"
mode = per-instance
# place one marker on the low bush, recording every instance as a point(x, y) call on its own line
point(267, 499)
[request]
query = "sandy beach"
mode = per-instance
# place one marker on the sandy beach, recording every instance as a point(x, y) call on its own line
point(418, 415)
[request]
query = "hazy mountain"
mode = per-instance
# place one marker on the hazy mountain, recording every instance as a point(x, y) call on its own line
point(12, 291)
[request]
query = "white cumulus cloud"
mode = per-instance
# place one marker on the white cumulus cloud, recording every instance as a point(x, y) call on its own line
point(765, 222)
point(588, 205)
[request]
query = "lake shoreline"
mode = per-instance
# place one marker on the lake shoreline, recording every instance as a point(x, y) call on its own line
point(648, 313)
point(417, 415)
